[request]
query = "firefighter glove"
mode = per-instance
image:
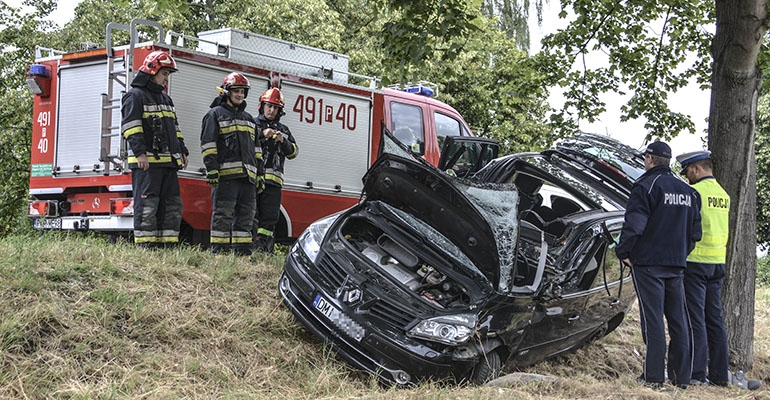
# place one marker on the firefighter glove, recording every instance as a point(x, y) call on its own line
point(212, 178)
point(260, 184)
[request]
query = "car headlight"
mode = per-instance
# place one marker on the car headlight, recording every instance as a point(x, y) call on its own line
point(450, 329)
point(310, 240)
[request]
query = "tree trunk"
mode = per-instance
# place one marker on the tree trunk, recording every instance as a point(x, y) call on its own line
point(736, 80)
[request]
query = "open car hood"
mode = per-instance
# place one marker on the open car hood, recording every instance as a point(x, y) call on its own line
point(480, 219)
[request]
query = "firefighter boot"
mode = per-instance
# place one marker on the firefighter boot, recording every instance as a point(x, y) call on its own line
point(264, 243)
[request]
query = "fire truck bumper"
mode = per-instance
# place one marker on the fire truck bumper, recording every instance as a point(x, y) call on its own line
point(113, 223)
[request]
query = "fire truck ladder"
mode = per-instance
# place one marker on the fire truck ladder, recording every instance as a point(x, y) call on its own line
point(119, 75)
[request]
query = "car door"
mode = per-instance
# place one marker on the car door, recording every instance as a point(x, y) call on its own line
point(564, 324)
point(611, 289)
point(466, 155)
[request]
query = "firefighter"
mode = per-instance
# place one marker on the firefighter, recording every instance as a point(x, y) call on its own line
point(156, 151)
point(278, 144)
point(234, 167)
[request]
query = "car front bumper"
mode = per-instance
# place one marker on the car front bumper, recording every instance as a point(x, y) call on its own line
point(393, 357)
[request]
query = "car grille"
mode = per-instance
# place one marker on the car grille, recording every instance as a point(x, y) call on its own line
point(392, 314)
point(331, 273)
point(377, 305)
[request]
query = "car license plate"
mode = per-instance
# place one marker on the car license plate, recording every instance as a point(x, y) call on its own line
point(338, 318)
point(48, 223)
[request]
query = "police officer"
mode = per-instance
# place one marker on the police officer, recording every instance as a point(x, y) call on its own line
point(234, 167)
point(704, 275)
point(156, 152)
point(662, 224)
point(278, 144)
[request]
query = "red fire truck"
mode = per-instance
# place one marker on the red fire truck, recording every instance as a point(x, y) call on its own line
point(79, 176)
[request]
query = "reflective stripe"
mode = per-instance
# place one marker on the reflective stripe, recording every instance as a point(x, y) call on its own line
point(220, 237)
point(157, 108)
point(209, 152)
point(132, 128)
point(274, 178)
point(293, 152)
point(704, 253)
point(209, 149)
point(265, 232)
point(133, 131)
point(231, 125)
point(162, 158)
point(145, 239)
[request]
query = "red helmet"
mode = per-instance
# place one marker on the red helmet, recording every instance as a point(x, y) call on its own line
point(156, 60)
point(235, 80)
point(272, 96)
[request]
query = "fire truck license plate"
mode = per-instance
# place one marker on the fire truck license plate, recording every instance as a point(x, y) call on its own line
point(338, 318)
point(42, 223)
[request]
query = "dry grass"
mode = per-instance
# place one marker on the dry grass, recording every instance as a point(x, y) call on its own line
point(83, 319)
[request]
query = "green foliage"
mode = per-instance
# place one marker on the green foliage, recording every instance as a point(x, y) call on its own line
point(762, 152)
point(763, 270)
point(18, 37)
point(498, 91)
point(309, 22)
point(646, 47)
point(420, 32)
point(512, 17)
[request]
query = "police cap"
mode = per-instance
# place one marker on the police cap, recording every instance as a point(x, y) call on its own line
point(691, 157)
point(660, 149)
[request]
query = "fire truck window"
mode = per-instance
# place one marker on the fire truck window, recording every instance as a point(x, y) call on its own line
point(447, 126)
point(406, 121)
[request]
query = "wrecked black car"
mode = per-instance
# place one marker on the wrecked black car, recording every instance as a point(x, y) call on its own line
point(434, 276)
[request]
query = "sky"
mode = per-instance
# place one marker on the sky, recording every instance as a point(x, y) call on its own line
point(65, 10)
point(690, 100)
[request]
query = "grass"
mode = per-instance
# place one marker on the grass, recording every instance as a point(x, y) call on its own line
point(81, 318)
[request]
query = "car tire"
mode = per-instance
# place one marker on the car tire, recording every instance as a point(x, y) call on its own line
point(486, 369)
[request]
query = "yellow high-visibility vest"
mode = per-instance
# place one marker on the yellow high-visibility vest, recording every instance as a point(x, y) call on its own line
point(715, 211)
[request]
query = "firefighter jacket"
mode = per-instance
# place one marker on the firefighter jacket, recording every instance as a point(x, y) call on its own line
point(228, 143)
point(149, 125)
point(662, 220)
point(275, 152)
point(715, 210)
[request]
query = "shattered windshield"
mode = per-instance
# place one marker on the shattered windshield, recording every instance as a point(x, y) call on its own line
point(391, 146)
point(497, 203)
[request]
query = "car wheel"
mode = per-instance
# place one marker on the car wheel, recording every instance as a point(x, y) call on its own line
point(486, 369)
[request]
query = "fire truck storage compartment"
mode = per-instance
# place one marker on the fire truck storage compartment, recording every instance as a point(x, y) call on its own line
point(278, 55)
point(79, 117)
point(332, 130)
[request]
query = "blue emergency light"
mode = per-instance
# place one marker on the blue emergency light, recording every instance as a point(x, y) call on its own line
point(421, 90)
point(39, 80)
point(38, 70)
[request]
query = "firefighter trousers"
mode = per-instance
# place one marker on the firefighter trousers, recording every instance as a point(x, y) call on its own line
point(157, 206)
point(234, 206)
point(268, 212)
